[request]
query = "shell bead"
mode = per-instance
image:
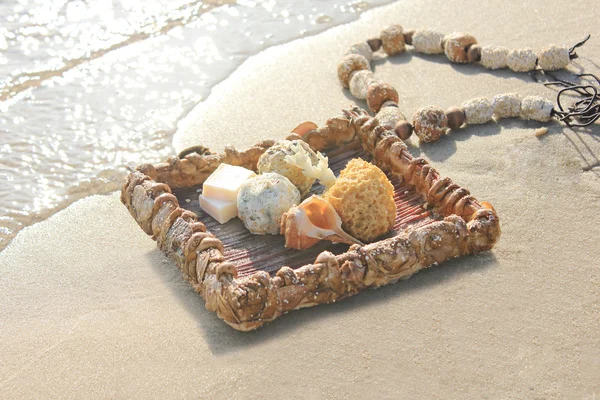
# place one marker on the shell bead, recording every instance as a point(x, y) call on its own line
point(478, 111)
point(374, 44)
point(536, 108)
point(428, 42)
point(507, 105)
point(378, 93)
point(408, 36)
point(392, 40)
point(474, 53)
point(456, 117)
point(349, 64)
point(521, 60)
point(359, 83)
point(494, 57)
point(389, 116)
point(362, 49)
point(554, 57)
point(456, 46)
point(403, 129)
point(430, 123)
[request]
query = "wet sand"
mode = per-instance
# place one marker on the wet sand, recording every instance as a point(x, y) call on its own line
point(90, 308)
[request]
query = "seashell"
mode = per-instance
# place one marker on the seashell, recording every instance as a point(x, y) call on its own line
point(487, 206)
point(312, 221)
point(304, 127)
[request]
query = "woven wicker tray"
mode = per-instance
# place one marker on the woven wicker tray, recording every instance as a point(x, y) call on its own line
point(249, 280)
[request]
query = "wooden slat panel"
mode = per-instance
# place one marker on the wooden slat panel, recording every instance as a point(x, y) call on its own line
point(252, 253)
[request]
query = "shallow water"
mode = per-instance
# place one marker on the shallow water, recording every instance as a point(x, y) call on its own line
point(89, 87)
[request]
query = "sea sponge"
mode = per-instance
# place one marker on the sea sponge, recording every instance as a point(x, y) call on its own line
point(364, 199)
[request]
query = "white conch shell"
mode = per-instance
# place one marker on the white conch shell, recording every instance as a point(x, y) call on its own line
point(312, 221)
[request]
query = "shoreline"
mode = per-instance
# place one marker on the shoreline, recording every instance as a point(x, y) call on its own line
point(208, 60)
point(96, 310)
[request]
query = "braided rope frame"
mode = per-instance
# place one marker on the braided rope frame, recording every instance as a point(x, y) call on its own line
point(248, 302)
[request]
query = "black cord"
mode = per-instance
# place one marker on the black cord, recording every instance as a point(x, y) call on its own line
point(572, 53)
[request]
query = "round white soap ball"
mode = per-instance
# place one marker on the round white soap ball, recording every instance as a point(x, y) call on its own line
point(263, 199)
point(536, 108)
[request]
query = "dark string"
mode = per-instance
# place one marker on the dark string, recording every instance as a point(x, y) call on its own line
point(582, 112)
point(572, 53)
point(586, 110)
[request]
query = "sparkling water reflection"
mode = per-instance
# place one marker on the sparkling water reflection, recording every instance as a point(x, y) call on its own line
point(88, 87)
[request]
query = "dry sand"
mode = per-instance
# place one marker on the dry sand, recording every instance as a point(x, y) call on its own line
point(90, 309)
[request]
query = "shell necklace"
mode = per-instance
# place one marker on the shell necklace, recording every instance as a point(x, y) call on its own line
point(431, 122)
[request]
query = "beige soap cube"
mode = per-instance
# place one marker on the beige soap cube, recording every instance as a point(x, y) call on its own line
point(221, 210)
point(225, 182)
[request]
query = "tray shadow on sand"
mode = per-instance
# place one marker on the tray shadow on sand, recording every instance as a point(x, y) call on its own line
point(223, 339)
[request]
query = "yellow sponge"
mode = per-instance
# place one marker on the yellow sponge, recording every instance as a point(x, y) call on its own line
point(364, 199)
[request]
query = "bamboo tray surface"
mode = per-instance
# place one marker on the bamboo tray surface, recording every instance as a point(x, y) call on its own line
point(253, 253)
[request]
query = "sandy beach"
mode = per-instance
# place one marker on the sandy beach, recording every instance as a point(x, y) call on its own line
point(90, 308)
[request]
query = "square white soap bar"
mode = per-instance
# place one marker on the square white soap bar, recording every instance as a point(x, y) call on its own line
point(221, 210)
point(225, 182)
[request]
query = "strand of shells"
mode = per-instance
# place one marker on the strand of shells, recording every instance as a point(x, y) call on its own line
point(430, 123)
point(247, 303)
